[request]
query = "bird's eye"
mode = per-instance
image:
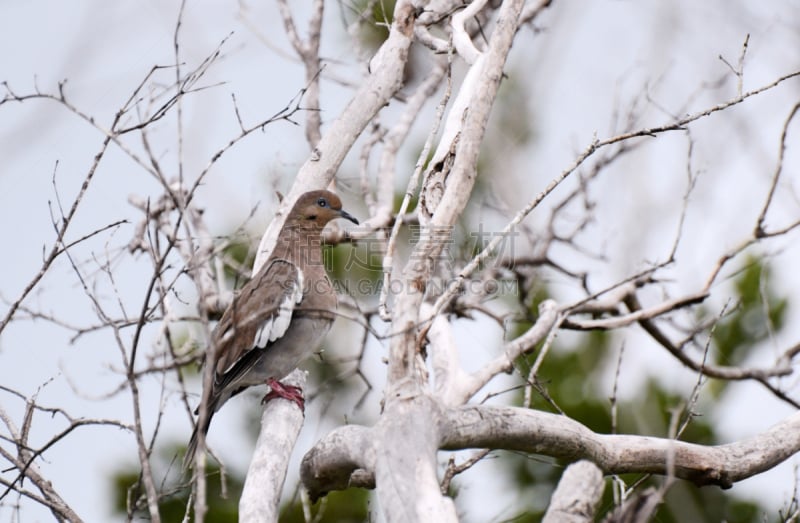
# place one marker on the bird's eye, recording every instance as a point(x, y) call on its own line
point(322, 202)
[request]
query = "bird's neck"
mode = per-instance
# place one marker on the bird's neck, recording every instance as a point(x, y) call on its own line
point(300, 245)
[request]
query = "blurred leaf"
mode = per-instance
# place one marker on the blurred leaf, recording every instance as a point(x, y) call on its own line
point(374, 20)
point(349, 506)
point(412, 202)
point(175, 492)
point(355, 270)
point(512, 122)
point(760, 310)
point(240, 252)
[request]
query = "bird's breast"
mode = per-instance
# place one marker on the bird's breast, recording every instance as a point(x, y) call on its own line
point(301, 340)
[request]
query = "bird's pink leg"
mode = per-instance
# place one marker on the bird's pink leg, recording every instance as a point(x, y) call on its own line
point(287, 392)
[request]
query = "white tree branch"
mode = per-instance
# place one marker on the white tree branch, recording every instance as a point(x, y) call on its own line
point(559, 436)
point(335, 461)
point(577, 495)
point(461, 39)
point(547, 321)
point(332, 463)
point(448, 376)
point(406, 468)
point(405, 464)
point(386, 76)
point(442, 203)
point(281, 422)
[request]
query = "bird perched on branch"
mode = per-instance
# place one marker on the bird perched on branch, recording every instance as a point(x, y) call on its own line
point(280, 317)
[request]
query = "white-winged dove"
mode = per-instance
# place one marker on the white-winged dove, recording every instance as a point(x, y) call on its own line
point(279, 317)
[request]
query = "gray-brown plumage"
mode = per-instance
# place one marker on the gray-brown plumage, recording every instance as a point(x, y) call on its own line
point(281, 316)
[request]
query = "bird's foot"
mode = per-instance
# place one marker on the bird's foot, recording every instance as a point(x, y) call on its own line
point(287, 392)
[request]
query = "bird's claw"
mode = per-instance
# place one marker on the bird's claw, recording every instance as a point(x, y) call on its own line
point(287, 392)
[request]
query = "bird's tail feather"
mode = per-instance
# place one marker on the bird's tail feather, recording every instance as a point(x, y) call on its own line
point(191, 449)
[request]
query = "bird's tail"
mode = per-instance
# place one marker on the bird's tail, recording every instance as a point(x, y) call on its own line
point(191, 449)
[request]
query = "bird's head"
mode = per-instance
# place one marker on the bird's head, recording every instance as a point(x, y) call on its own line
point(316, 209)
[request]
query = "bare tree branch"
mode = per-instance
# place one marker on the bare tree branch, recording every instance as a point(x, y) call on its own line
point(544, 433)
point(577, 496)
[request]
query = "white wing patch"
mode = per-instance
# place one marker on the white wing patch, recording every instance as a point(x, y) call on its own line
point(277, 324)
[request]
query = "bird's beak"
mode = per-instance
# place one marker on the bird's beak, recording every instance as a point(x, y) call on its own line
point(347, 216)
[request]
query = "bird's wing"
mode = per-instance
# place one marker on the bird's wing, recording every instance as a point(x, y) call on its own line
point(260, 314)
